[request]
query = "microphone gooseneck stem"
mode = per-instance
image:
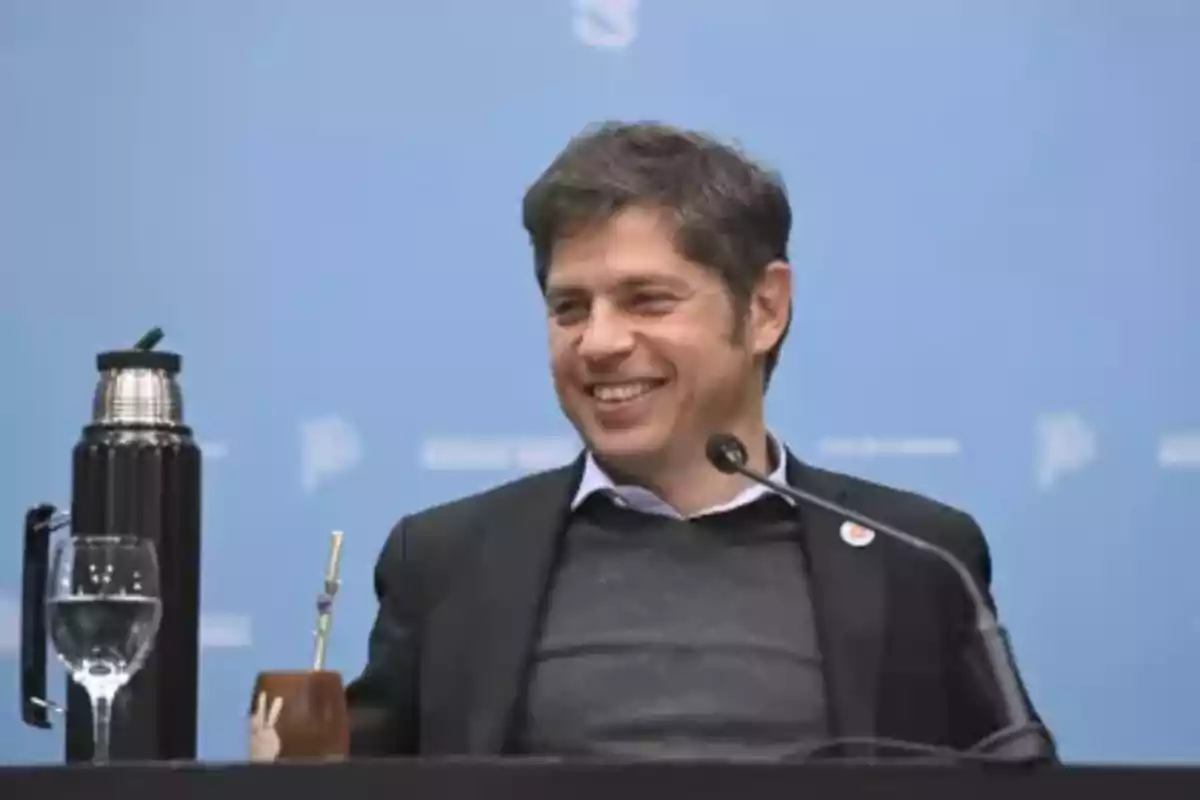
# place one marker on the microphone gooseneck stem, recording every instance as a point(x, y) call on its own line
point(994, 639)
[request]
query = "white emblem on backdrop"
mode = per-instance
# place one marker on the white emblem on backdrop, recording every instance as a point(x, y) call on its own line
point(1065, 444)
point(10, 624)
point(1180, 450)
point(225, 631)
point(486, 454)
point(877, 447)
point(216, 630)
point(329, 446)
point(214, 451)
point(608, 24)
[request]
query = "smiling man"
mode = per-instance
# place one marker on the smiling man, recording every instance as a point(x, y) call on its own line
point(639, 603)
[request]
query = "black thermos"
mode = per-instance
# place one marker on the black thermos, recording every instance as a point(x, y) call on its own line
point(136, 470)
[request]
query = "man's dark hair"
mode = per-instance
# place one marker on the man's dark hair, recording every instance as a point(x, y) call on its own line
point(731, 215)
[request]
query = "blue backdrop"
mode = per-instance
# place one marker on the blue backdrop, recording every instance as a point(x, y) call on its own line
point(996, 246)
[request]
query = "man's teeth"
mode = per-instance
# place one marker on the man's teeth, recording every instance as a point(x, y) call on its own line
point(619, 392)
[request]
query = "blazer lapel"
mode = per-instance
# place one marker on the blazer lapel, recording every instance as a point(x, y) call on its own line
point(516, 562)
point(847, 585)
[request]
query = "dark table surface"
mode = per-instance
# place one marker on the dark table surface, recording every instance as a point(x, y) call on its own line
point(534, 780)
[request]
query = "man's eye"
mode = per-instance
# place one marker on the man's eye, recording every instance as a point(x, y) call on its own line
point(566, 310)
point(652, 301)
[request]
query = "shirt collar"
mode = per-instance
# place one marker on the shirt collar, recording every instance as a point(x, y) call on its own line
point(641, 499)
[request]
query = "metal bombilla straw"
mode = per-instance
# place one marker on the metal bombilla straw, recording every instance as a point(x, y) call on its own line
point(325, 601)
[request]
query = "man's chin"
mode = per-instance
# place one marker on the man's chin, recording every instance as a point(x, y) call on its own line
point(628, 450)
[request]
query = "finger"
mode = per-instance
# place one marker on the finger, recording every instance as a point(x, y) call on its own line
point(260, 710)
point(273, 715)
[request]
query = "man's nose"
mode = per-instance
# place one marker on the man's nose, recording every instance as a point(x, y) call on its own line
point(607, 334)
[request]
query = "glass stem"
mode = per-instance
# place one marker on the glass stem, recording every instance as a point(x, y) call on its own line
point(101, 724)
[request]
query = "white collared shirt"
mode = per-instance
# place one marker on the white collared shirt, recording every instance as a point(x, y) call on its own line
point(641, 499)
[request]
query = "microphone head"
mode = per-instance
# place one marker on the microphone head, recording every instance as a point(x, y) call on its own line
point(726, 452)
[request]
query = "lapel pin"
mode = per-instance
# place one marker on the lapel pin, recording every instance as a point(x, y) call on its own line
point(856, 535)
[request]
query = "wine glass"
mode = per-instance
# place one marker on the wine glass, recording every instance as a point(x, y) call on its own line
point(103, 609)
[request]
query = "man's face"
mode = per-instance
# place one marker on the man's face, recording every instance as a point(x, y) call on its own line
point(642, 344)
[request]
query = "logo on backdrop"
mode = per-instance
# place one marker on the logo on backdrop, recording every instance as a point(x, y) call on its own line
point(1180, 450)
point(1065, 445)
point(880, 447)
point(223, 631)
point(10, 624)
point(329, 446)
point(486, 454)
point(213, 451)
point(606, 24)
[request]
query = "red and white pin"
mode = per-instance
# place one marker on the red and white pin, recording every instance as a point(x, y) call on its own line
point(856, 535)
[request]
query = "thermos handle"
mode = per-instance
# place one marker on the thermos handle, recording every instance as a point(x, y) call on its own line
point(40, 522)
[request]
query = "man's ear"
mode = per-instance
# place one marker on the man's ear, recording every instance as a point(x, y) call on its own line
point(770, 307)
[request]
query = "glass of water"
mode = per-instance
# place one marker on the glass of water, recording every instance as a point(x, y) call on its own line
point(103, 610)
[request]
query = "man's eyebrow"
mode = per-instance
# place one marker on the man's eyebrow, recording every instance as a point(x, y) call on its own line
point(564, 290)
point(655, 281)
point(632, 283)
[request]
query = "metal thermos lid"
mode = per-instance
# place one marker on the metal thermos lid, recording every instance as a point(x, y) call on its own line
point(169, 363)
point(138, 387)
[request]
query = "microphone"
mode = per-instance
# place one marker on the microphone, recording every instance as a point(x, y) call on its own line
point(1023, 739)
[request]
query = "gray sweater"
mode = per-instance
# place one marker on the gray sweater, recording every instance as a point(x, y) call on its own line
point(669, 638)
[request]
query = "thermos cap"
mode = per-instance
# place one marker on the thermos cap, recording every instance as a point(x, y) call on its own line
point(139, 359)
point(137, 387)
